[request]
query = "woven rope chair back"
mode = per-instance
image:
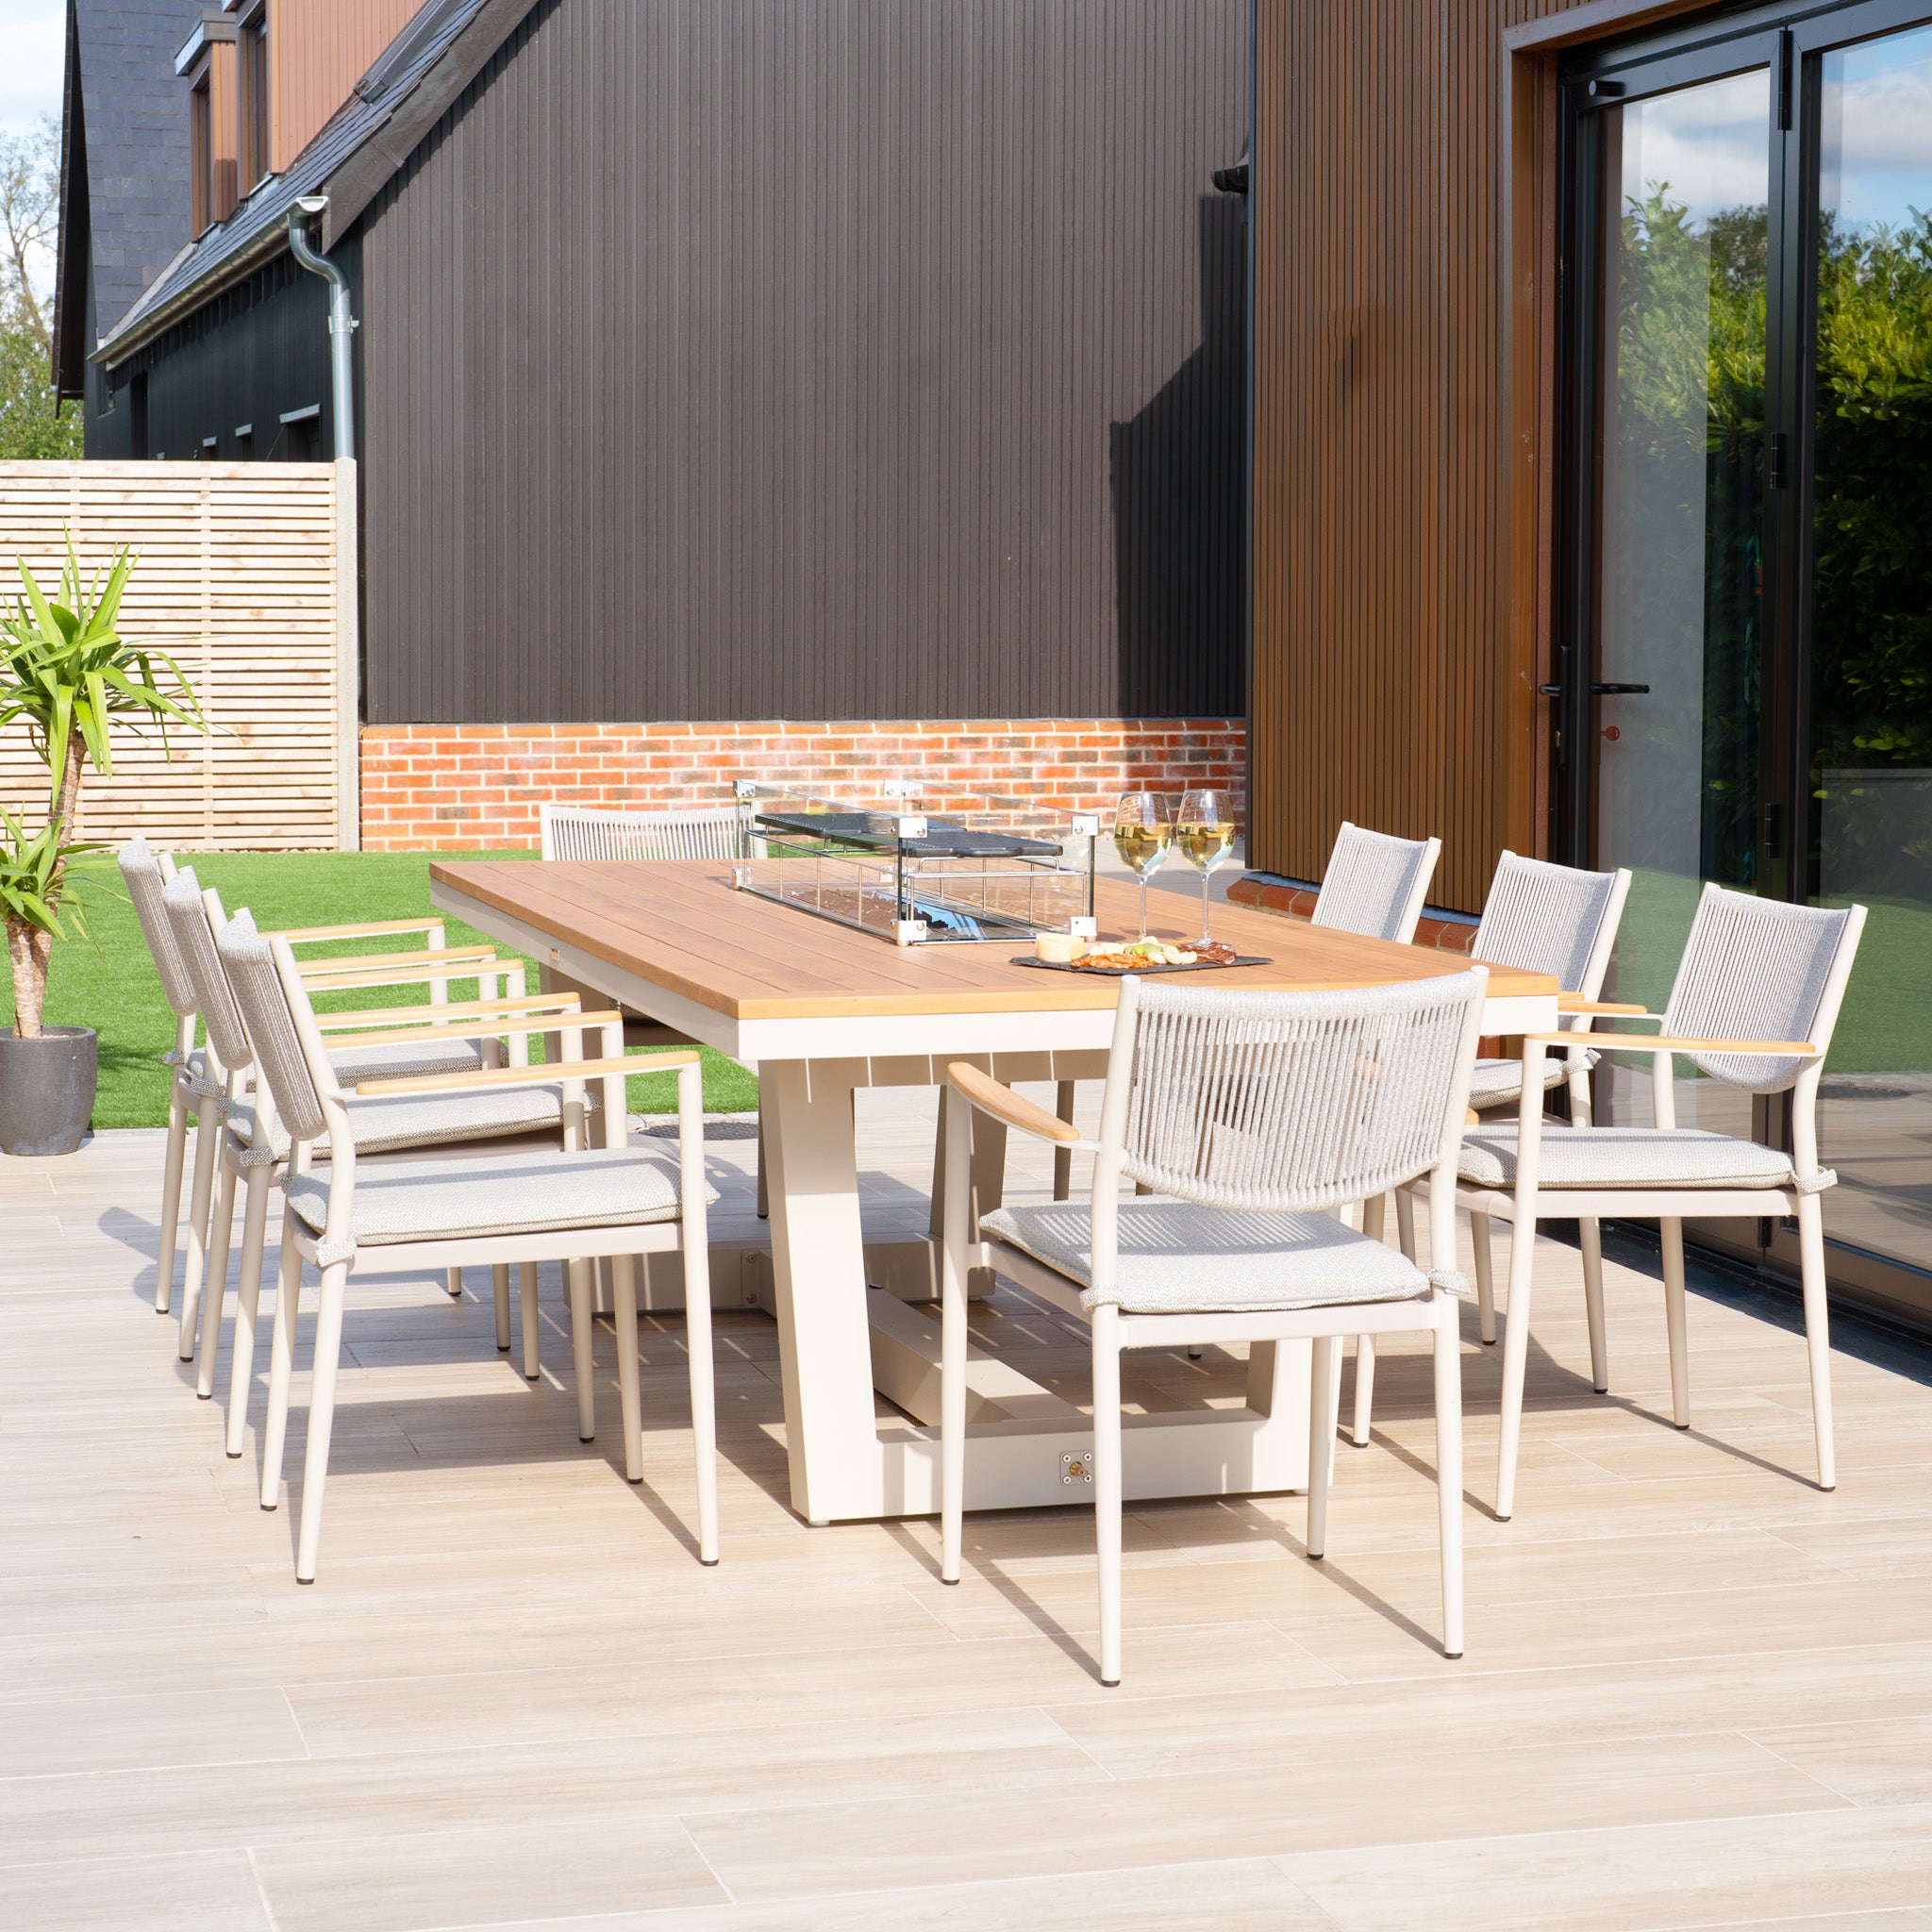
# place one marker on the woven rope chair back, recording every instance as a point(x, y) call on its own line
point(1755, 969)
point(264, 1004)
point(1371, 882)
point(188, 922)
point(1280, 1102)
point(1544, 918)
point(570, 833)
point(141, 872)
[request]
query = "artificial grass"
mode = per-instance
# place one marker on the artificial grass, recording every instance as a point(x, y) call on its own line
point(111, 985)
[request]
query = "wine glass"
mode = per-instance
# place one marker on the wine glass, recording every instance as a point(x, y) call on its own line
point(1204, 830)
point(1140, 834)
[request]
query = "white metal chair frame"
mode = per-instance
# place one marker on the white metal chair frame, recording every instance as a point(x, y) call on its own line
point(1376, 885)
point(1123, 1148)
point(285, 1035)
point(1517, 929)
point(202, 1086)
point(1758, 1066)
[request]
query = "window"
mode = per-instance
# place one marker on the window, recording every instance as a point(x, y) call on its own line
point(257, 153)
point(201, 157)
point(301, 434)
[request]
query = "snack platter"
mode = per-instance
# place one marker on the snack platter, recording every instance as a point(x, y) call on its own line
point(1145, 956)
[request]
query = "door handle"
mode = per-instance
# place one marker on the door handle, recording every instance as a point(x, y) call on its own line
point(1599, 690)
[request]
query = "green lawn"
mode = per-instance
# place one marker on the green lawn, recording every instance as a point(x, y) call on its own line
point(114, 989)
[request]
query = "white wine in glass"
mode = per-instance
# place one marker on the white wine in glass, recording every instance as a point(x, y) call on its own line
point(1204, 830)
point(1141, 830)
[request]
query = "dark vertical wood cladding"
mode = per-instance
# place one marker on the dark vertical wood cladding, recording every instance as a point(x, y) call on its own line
point(1394, 677)
point(814, 357)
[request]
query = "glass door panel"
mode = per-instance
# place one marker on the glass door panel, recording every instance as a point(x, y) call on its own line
point(1871, 625)
point(1684, 178)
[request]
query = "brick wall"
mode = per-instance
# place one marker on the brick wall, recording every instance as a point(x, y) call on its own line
point(456, 787)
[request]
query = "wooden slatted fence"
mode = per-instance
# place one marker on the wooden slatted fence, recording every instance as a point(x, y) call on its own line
point(246, 576)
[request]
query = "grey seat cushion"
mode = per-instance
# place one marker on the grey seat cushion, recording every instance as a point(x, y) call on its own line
point(394, 1062)
point(1625, 1157)
point(1495, 1083)
point(1179, 1259)
point(507, 1193)
point(426, 1120)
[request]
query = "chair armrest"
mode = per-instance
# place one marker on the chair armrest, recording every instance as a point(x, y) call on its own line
point(364, 962)
point(531, 1076)
point(990, 1096)
point(493, 1029)
point(468, 1009)
point(1782, 1049)
point(304, 935)
point(411, 976)
point(1575, 1003)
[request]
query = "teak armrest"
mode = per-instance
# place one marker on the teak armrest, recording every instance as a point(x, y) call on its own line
point(531, 1076)
point(364, 962)
point(493, 1029)
point(990, 1096)
point(468, 1009)
point(1639, 1044)
point(1575, 1003)
point(304, 935)
point(409, 976)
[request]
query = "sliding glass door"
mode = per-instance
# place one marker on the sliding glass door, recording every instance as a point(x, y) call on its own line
point(1746, 679)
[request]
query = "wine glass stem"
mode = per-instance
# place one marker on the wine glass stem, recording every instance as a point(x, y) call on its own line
point(1142, 933)
point(1206, 935)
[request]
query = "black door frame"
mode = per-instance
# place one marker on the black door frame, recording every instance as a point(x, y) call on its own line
point(1787, 40)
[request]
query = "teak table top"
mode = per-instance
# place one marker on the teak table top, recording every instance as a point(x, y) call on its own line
point(682, 926)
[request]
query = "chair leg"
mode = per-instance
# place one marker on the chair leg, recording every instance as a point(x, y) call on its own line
point(527, 1292)
point(1485, 1278)
point(764, 1196)
point(247, 1304)
point(1063, 1157)
point(206, 1133)
point(499, 1293)
point(322, 1416)
point(281, 1366)
point(1107, 1485)
point(171, 1197)
point(1672, 1232)
point(623, 1299)
point(1328, 1356)
point(1592, 1241)
point(215, 1289)
point(1817, 1332)
point(1448, 1352)
point(578, 1274)
point(1364, 1388)
point(704, 1401)
point(1515, 1363)
point(453, 1284)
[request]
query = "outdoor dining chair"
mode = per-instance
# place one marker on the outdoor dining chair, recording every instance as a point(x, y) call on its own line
point(1255, 1116)
point(507, 1208)
point(252, 1143)
point(1376, 885)
point(1542, 918)
point(197, 1089)
point(1753, 1006)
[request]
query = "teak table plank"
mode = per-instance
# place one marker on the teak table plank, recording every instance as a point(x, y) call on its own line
point(682, 925)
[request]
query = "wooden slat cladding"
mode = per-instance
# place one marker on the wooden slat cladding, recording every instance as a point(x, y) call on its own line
point(1394, 669)
point(238, 582)
point(318, 50)
point(814, 358)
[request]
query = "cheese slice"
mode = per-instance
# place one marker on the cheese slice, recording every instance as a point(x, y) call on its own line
point(1058, 948)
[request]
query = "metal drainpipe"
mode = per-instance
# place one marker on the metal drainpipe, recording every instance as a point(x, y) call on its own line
point(342, 324)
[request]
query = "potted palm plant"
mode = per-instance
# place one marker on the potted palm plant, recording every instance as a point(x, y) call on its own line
point(70, 677)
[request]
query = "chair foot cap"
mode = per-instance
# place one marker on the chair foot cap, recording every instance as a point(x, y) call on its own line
point(952, 1582)
point(304, 1581)
point(586, 1438)
point(503, 1348)
point(1316, 1555)
point(1600, 1387)
point(1109, 1683)
point(1680, 1426)
point(203, 1395)
point(1454, 1655)
point(233, 1456)
point(708, 1562)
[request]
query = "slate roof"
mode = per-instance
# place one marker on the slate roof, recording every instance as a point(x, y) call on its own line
point(258, 226)
point(134, 116)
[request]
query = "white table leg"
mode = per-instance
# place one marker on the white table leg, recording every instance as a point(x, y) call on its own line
point(819, 1266)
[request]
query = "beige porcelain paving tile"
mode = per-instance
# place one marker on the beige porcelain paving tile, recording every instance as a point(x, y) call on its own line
point(201, 1726)
point(1875, 1547)
point(1887, 1919)
point(215, 1894)
point(1232, 1895)
point(478, 1878)
point(1870, 1756)
point(220, 1594)
point(1241, 1729)
point(1370, 1800)
point(1642, 1878)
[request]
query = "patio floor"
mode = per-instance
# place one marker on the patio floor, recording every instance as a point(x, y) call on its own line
point(1697, 1692)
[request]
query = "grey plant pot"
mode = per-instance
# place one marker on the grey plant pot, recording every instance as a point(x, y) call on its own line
point(47, 1090)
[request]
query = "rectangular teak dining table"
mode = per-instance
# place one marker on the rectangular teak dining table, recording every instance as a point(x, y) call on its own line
point(824, 1010)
